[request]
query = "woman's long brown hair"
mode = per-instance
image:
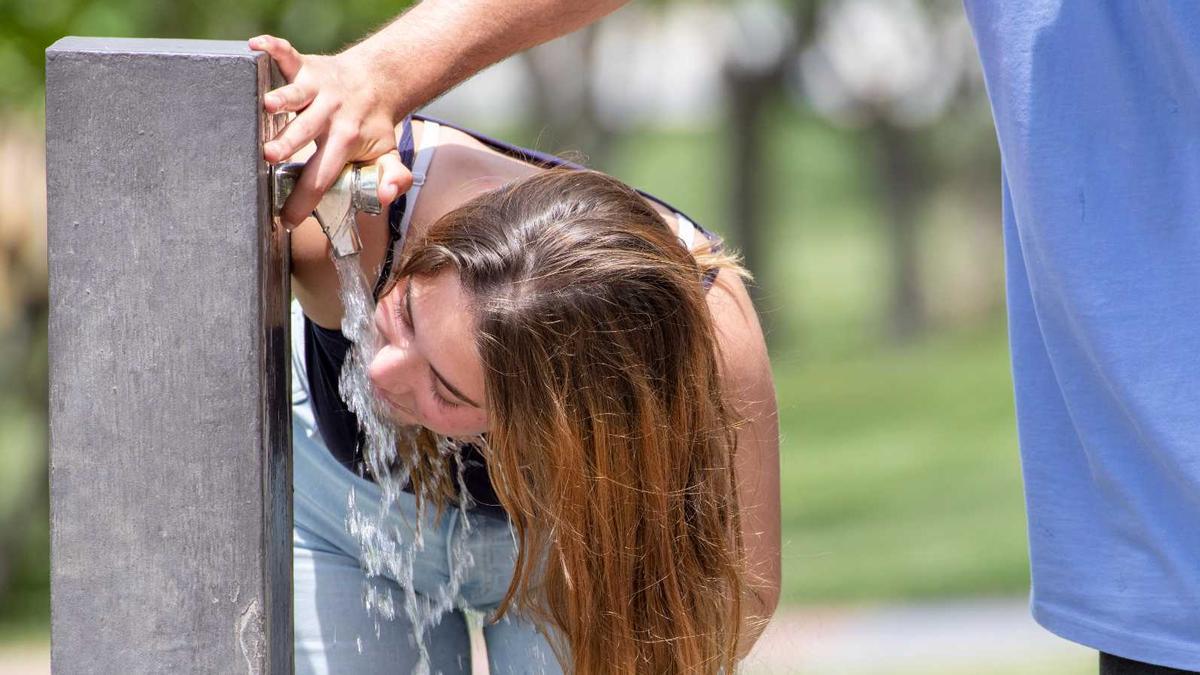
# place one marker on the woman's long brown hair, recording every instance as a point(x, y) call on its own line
point(609, 443)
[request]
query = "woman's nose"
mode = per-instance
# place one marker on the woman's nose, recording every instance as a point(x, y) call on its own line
point(389, 367)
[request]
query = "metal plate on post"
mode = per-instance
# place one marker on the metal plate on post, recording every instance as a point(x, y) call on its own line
point(169, 431)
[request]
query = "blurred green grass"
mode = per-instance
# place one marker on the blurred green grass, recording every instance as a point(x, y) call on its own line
point(900, 473)
point(25, 610)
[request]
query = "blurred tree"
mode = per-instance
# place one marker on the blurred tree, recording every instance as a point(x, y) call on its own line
point(754, 42)
point(27, 27)
point(563, 96)
point(24, 305)
point(892, 69)
point(763, 39)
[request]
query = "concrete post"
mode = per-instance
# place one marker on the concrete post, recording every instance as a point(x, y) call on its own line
point(170, 465)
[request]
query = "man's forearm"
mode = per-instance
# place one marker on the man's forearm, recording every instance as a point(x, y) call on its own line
point(439, 43)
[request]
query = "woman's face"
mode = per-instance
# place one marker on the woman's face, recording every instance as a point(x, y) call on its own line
point(427, 370)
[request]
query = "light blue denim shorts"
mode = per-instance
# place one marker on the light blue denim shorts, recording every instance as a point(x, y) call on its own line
point(334, 632)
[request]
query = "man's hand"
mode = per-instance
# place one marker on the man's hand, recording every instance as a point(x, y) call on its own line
point(340, 104)
point(350, 103)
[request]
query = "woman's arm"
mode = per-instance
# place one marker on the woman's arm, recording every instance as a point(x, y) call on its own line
point(462, 168)
point(750, 394)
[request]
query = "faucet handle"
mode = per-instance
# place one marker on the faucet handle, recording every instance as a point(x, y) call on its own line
point(283, 181)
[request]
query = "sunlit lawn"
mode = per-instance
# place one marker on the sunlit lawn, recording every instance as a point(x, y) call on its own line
point(25, 614)
point(900, 474)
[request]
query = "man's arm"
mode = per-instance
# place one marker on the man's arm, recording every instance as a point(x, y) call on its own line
point(350, 103)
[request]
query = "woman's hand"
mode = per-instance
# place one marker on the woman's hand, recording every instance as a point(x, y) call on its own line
point(340, 105)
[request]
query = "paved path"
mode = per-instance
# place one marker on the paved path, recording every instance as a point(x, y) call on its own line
point(972, 637)
point(24, 659)
point(968, 637)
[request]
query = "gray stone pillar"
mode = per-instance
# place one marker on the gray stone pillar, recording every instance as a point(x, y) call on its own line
point(170, 464)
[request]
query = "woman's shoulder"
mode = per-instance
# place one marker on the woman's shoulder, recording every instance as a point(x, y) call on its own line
point(460, 169)
point(739, 333)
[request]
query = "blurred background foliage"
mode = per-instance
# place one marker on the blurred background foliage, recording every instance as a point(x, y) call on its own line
point(844, 146)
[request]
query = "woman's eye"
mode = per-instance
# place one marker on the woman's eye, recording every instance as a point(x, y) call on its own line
point(440, 400)
point(399, 312)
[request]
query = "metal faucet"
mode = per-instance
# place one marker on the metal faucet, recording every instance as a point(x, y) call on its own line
point(356, 189)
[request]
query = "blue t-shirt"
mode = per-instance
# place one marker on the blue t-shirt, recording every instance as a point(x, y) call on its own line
point(1097, 111)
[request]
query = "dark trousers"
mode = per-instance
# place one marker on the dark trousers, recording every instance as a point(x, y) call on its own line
point(1115, 665)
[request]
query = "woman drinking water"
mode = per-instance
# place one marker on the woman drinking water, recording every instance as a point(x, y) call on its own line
point(593, 358)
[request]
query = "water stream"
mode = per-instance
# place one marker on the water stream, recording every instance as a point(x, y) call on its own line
point(388, 550)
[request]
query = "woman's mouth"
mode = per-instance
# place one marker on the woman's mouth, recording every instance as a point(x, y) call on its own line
point(401, 412)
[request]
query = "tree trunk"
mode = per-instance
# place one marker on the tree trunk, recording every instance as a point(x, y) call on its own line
point(564, 97)
point(748, 96)
point(900, 180)
point(750, 92)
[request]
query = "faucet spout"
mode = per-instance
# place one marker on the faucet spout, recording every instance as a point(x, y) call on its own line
point(355, 189)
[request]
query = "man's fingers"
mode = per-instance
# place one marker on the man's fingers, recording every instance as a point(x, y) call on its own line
point(394, 178)
point(305, 127)
point(318, 175)
point(288, 98)
point(281, 51)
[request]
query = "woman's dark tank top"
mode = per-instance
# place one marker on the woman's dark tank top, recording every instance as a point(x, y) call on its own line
point(326, 349)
